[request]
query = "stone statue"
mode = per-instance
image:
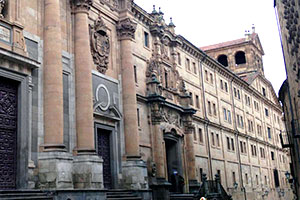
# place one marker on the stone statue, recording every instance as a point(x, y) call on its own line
point(2, 5)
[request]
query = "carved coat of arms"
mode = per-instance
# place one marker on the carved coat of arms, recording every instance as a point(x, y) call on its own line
point(100, 45)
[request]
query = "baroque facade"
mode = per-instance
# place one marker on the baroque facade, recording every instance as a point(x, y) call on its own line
point(98, 95)
point(288, 17)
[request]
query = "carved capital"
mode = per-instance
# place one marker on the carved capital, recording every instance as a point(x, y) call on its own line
point(126, 29)
point(81, 5)
point(2, 5)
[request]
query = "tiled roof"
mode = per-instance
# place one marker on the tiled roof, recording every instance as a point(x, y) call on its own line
point(228, 43)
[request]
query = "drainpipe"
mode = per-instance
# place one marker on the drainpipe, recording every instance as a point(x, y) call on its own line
point(201, 78)
point(237, 140)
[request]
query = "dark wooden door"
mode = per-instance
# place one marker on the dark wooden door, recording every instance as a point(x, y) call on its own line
point(104, 152)
point(8, 133)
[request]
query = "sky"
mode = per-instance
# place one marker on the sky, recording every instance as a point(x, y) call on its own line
point(206, 22)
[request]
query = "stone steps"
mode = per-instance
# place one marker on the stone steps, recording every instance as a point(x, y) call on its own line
point(24, 194)
point(182, 197)
point(121, 195)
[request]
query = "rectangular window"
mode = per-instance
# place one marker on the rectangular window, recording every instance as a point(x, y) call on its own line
point(188, 67)
point(214, 109)
point(200, 135)
point(252, 150)
point(138, 116)
point(256, 179)
point(272, 155)
point(228, 143)
point(195, 68)
point(246, 177)
point(254, 147)
point(135, 74)
point(211, 78)
point(206, 75)
point(241, 146)
point(218, 140)
point(238, 120)
point(232, 144)
point(225, 114)
point(212, 139)
point(209, 107)
point(266, 182)
point(191, 100)
point(258, 129)
point(179, 58)
point(195, 136)
point(146, 39)
point(197, 101)
point(229, 116)
point(245, 148)
point(239, 96)
point(234, 91)
point(242, 122)
point(269, 132)
point(267, 112)
point(221, 84)
point(226, 87)
point(263, 91)
point(233, 178)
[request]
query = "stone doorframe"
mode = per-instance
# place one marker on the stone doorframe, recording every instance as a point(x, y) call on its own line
point(114, 151)
point(24, 120)
point(178, 139)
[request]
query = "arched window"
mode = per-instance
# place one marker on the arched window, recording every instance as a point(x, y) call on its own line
point(223, 60)
point(240, 58)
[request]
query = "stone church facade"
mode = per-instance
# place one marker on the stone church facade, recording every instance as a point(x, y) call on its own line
point(99, 94)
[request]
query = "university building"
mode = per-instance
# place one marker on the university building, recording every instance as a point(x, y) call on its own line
point(99, 95)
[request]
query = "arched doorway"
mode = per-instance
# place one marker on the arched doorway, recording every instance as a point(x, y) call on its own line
point(173, 144)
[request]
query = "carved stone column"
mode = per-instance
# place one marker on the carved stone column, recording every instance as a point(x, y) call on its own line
point(159, 185)
point(87, 166)
point(189, 131)
point(54, 163)
point(134, 166)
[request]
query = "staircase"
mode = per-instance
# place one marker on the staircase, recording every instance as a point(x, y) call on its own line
point(121, 195)
point(24, 195)
point(181, 197)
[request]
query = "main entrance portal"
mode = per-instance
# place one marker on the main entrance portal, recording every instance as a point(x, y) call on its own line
point(174, 162)
point(8, 133)
point(103, 146)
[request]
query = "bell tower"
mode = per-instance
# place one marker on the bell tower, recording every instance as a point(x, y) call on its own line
point(242, 56)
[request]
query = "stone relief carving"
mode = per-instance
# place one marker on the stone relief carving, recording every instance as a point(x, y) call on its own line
point(112, 4)
point(126, 29)
point(100, 45)
point(2, 5)
point(171, 117)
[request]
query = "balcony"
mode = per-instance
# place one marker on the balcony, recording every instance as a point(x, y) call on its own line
point(285, 140)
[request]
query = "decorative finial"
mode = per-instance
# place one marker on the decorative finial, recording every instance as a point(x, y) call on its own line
point(171, 24)
point(154, 10)
point(160, 12)
point(253, 28)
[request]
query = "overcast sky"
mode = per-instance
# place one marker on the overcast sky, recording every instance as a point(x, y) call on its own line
point(205, 22)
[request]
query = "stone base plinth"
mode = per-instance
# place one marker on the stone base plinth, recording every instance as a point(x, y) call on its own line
point(161, 189)
point(135, 175)
point(55, 170)
point(194, 186)
point(88, 172)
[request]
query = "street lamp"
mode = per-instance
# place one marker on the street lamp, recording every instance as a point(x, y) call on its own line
point(235, 185)
point(287, 175)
